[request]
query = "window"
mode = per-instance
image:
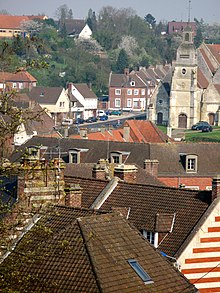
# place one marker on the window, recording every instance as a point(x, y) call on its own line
point(118, 92)
point(129, 92)
point(140, 271)
point(62, 104)
point(116, 158)
point(191, 164)
point(149, 236)
point(136, 92)
point(14, 85)
point(75, 155)
point(74, 158)
point(117, 103)
point(143, 91)
point(136, 104)
point(184, 71)
point(129, 103)
point(21, 85)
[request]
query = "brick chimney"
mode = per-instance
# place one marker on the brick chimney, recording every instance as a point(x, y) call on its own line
point(83, 133)
point(126, 133)
point(73, 195)
point(151, 167)
point(127, 173)
point(100, 170)
point(215, 187)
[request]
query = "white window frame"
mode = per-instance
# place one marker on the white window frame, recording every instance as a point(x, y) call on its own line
point(191, 163)
point(129, 103)
point(136, 92)
point(129, 92)
point(116, 158)
point(118, 103)
point(152, 237)
point(142, 92)
point(14, 85)
point(132, 83)
point(117, 92)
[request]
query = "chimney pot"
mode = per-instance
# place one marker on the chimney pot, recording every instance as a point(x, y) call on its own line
point(215, 187)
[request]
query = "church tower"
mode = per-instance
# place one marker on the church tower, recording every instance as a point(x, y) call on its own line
point(184, 107)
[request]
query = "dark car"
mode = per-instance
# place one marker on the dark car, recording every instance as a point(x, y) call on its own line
point(79, 121)
point(103, 118)
point(202, 125)
point(91, 120)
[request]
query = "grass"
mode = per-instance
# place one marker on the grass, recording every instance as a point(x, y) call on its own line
point(198, 136)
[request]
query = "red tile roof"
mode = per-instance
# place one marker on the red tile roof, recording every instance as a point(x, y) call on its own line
point(207, 60)
point(14, 22)
point(215, 50)
point(140, 131)
point(16, 77)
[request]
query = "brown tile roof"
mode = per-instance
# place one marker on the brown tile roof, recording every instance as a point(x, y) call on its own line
point(85, 91)
point(146, 201)
point(207, 60)
point(168, 155)
point(111, 242)
point(74, 26)
point(45, 95)
point(70, 250)
point(201, 79)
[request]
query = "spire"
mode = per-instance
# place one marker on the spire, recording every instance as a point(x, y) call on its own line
point(189, 11)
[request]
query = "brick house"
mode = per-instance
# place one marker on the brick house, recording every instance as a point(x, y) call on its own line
point(17, 81)
point(131, 91)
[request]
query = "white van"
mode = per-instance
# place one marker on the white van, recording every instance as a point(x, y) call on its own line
point(67, 122)
point(101, 113)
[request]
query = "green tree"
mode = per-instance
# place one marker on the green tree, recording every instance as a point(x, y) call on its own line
point(122, 61)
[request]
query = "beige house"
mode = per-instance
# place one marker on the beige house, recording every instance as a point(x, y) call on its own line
point(54, 99)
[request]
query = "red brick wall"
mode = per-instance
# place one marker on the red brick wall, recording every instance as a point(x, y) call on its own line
point(202, 182)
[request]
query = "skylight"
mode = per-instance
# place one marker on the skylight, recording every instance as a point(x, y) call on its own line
point(140, 271)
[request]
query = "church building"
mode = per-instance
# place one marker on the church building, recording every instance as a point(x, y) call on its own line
point(194, 87)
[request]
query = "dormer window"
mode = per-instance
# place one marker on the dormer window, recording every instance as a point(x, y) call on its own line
point(132, 83)
point(75, 155)
point(191, 164)
point(118, 157)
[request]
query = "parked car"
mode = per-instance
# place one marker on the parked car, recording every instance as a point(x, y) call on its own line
point(91, 120)
point(67, 122)
point(101, 113)
point(103, 118)
point(116, 112)
point(202, 125)
point(79, 121)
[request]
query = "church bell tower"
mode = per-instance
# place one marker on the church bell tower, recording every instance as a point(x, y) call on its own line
point(183, 96)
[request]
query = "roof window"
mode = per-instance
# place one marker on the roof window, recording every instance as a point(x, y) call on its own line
point(140, 271)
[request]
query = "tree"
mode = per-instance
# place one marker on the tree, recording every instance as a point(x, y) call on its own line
point(70, 14)
point(150, 19)
point(61, 13)
point(122, 61)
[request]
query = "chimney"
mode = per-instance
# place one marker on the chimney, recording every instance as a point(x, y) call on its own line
point(83, 133)
point(215, 187)
point(73, 195)
point(65, 131)
point(127, 173)
point(100, 170)
point(151, 166)
point(126, 133)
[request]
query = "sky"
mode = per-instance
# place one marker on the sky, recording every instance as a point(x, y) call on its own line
point(161, 9)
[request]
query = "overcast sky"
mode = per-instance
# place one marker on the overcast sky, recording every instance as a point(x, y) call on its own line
point(169, 10)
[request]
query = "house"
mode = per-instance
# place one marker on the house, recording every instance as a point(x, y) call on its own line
point(177, 27)
point(189, 165)
point(77, 28)
point(17, 81)
point(42, 125)
point(79, 250)
point(83, 100)
point(141, 131)
point(182, 224)
point(195, 85)
point(54, 99)
point(11, 25)
point(131, 91)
